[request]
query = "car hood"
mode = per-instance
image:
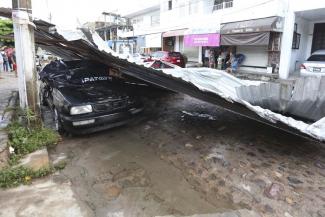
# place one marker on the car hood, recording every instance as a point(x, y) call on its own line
point(93, 94)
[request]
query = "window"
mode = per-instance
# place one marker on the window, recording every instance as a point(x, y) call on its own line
point(296, 38)
point(318, 58)
point(137, 22)
point(170, 5)
point(155, 20)
point(192, 7)
point(218, 5)
point(228, 3)
point(183, 10)
point(222, 4)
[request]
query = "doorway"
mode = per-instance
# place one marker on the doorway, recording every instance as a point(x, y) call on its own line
point(318, 37)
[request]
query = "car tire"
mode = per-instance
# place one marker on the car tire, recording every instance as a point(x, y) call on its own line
point(57, 122)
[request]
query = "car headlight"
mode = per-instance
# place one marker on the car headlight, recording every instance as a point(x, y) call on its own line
point(77, 110)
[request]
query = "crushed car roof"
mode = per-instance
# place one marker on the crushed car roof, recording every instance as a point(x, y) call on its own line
point(297, 107)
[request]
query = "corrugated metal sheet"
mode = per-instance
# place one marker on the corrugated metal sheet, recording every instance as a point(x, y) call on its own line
point(274, 104)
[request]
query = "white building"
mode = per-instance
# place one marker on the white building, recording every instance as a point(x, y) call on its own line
point(270, 33)
point(306, 25)
point(146, 24)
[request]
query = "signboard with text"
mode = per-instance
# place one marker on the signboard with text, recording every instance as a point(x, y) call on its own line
point(202, 40)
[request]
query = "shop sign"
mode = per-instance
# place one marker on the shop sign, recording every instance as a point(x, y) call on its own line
point(202, 40)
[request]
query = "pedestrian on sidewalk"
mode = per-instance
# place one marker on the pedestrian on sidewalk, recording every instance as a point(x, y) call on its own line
point(230, 62)
point(13, 60)
point(8, 52)
point(212, 61)
point(5, 61)
point(1, 63)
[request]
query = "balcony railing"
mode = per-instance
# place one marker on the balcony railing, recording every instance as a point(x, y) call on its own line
point(220, 6)
point(228, 4)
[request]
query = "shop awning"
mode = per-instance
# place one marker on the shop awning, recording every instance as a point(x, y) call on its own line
point(253, 38)
point(174, 33)
point(269, 24)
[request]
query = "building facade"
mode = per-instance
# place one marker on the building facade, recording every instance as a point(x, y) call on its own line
point(146, 29)
point(275, 36)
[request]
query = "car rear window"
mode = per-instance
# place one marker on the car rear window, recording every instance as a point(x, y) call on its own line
point(317, 58)
point(175, 54)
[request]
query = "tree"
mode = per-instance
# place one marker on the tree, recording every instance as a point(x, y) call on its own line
point(6, 27)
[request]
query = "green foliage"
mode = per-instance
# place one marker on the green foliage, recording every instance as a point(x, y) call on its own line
point(14, 176)
point(26, 138)
point(28, 118)
point(6, 27)
point(25, 141)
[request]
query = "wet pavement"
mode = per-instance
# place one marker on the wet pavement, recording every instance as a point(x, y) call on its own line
point(186, 157)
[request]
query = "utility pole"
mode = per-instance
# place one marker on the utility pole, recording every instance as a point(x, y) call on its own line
point(25, 54)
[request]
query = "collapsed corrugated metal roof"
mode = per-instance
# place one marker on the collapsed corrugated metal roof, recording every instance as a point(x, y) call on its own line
point(274, 104)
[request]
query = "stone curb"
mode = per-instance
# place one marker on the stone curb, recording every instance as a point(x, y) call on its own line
point(36, 160)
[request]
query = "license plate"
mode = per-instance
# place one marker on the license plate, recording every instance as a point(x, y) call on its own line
point(316, 69)
point(178, 61)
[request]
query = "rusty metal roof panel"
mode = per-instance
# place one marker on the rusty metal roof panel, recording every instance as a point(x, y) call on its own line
point(275, 104)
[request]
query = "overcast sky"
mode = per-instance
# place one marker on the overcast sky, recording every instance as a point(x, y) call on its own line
point(68, 13)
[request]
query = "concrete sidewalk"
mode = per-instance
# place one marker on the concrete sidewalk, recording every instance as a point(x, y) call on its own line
point(44, 197)
point(8, 84)
point(8, 87)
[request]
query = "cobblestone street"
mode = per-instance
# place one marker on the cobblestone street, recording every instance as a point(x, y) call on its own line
point(188, 157)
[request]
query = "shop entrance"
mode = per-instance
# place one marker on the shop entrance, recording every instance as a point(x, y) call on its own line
point(217, 51)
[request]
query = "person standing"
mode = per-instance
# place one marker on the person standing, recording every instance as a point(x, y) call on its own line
point(221, 59)
point(1, 63)
point(230, 62)
point(5, 61)
point(8, 52)
point(14, 63)
point(212, 61)
point(206, 57)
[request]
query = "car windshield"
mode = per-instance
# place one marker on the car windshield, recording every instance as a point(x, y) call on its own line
point(320, 58)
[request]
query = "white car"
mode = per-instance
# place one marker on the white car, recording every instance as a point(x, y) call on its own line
point(315, 64)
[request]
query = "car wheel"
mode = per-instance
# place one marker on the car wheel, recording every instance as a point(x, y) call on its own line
point(57, 122)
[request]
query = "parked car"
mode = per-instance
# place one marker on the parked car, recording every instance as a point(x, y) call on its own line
point(159, 64)
point(140, 58)
point(315, 64)
point(172, 57)
point(84, 98)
